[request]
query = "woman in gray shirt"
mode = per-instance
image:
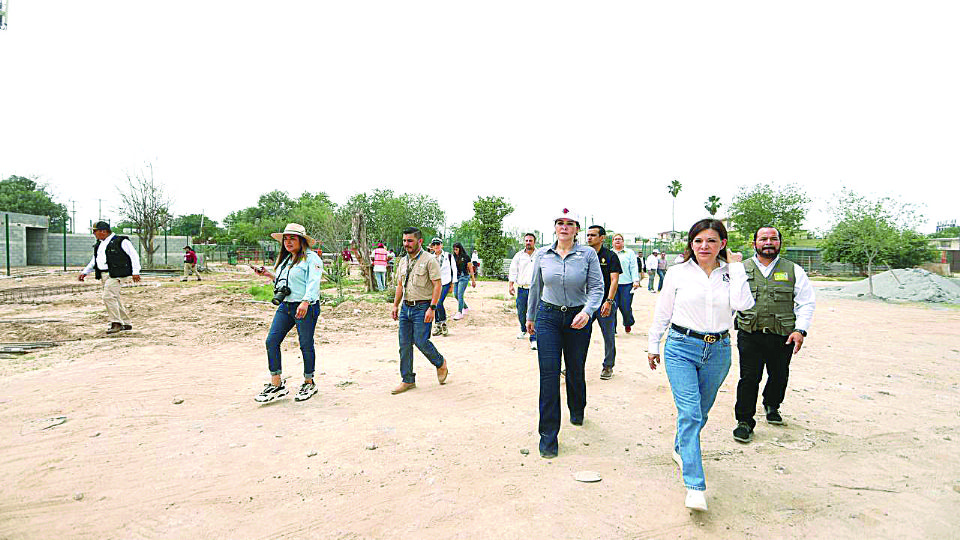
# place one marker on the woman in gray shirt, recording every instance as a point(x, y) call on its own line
point(566, 290)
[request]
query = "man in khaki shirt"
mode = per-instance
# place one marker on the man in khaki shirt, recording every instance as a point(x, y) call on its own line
point(418, 289)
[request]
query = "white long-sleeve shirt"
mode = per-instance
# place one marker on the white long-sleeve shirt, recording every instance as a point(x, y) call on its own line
point(100, 259)
point(703, 304)
point(521, 269)
point(448, 268)
point(652, 263)
point(804, 298)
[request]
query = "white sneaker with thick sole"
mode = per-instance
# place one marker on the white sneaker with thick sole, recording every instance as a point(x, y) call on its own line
point(696, 500)
point(458, 316)
point(521, 335)
point(533, 345)
point(271, 392)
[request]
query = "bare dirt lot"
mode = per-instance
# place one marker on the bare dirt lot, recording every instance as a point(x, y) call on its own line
point(96, 443)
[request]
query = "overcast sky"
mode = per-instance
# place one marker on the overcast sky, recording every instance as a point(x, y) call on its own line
point(595, 106)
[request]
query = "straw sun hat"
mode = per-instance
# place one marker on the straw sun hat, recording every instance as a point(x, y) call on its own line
point(294, 228)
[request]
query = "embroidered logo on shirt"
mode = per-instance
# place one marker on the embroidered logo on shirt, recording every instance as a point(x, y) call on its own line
point(726, 278)
point(780, 276)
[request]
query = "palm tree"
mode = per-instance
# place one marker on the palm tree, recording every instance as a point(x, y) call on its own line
point(712, 204)
point(674, 188)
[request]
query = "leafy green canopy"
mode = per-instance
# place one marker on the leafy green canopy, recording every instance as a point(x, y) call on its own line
point(764, 206)
point(25, 196)
point(491, 244)
point(387, 214)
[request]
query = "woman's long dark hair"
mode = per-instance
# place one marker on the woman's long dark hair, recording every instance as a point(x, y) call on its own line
point(302, 254)
point(460, 254)
point(699, 227)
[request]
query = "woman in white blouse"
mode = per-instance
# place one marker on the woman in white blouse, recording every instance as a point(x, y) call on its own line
point(698, 300)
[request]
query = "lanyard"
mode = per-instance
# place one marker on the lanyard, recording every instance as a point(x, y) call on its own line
point(410, 263)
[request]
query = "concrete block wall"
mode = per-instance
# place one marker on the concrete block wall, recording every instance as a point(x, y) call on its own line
point(19, 223)
point(80, 249)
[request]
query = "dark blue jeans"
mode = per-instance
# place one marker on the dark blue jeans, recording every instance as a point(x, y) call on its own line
point(283, 321)
point(608, 328)
point(555, 337)
point(441, 311)
point(624, 301)
point(413, 331)
point(522, 295)
point(661, 274)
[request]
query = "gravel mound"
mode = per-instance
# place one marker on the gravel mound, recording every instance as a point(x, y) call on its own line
point(909, 285)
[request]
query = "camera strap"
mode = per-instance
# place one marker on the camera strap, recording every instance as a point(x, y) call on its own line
point(410, 264)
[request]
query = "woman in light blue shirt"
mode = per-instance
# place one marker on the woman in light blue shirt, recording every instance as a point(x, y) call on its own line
point(296, 292)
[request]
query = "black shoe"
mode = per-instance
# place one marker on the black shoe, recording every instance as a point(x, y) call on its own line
point(128, 327)
point(576, 420)
point(547, 455)
point(773, 416)
point(606, 373)
point(743, 433)
point(114, 328)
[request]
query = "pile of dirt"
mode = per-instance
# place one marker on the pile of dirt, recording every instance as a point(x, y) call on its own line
point(910, 285)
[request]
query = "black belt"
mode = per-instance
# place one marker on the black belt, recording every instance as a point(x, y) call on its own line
point(560, 308)
point(709, 338)
point(412, 303)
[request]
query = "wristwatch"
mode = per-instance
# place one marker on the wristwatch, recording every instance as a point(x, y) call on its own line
point(801, 332)
point(433, 307)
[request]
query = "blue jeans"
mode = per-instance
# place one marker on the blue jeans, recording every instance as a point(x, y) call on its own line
point(624, 300)
point(662, 274)
point(608, 328)
point(556, 338)
point(696, 369)
point(381, 278)
point(461, 290)
point(651, 277)
point(283, 321)
point(441, 311)
point(522, 295)
point(413, 331)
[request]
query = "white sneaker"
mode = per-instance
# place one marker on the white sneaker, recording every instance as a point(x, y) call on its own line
point(465, 311)
point(458, 316)
point(696, 500)
point(533, 345)
point(678, 460)
point(521, 335)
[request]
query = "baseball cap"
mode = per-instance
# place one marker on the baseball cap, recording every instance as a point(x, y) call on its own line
point(436, 241)
point(566, 213)
point(101, 226)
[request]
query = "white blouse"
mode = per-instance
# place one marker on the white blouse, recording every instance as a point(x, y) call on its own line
point(702, 303)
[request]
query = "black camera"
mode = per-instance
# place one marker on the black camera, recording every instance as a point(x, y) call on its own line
point(279, 293)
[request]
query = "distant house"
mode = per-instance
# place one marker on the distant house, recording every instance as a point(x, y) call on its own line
point(670, 236)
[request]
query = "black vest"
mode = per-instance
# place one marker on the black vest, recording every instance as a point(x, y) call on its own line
point(119, 264)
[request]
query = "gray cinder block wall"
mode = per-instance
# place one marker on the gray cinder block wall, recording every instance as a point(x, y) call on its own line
point(80, 249)
point(27, 233)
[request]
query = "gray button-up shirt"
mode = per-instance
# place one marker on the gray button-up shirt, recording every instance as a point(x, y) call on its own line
point(574, 280)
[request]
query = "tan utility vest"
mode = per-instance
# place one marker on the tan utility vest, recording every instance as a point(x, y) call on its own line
point(773, 311)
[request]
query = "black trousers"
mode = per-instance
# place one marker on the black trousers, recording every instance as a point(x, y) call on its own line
point(756, 351)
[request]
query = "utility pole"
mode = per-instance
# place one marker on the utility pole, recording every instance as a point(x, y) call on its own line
point(99, 209)
point(73, 222)
point(201, 225)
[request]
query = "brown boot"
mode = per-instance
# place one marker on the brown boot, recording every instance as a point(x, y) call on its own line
point(442, 372)
point(403, 388)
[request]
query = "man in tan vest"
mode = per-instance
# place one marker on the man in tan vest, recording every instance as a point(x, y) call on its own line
point(770, 332)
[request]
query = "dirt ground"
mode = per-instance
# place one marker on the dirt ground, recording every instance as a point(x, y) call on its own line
point(871, 448)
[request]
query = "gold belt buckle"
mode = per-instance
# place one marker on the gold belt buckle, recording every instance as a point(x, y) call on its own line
point(710, 339)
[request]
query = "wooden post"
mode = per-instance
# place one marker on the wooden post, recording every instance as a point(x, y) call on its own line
point(361, 250)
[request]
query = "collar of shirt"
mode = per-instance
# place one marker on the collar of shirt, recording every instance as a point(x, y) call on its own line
point(575, 248)
point(765, 269)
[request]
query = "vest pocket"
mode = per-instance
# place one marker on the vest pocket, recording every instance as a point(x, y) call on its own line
point(785, 323)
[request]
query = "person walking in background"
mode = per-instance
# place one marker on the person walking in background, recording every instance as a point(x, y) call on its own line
point(521, 274)
point(661, 269)
point(448, 278)
point(115, 256)
point(697, 304)
point(606, 316)
point(296, 284)
point(466, 273)
point(651, 264)
point(566, 289)
point(770, 332)
point(380, 258)
point(629, 282)
point(189, 263)
point(418, 288)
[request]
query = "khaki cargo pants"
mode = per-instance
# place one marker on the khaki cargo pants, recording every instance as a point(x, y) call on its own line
point(190, 269)
point(111, 298)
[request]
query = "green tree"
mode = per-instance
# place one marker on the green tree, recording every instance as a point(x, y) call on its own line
point(674, 189)
point(868, 231)
point(949, 232)
point(386, 214)
point(712, 205)
point(189, 225)
point(466, 232)
point(24, 195)
point(491, 244)
point(763, 206)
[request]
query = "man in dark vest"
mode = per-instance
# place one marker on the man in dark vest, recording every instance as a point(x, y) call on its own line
point(771, 332)
point(114, 256)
